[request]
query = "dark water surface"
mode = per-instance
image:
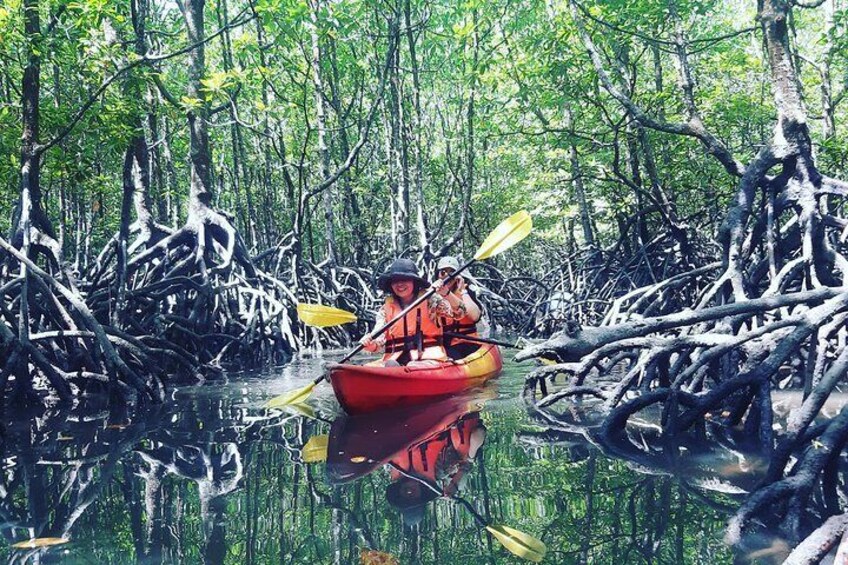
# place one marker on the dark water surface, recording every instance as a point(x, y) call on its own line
point(211, 476)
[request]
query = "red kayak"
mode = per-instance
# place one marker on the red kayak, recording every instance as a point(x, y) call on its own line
point(367, 388)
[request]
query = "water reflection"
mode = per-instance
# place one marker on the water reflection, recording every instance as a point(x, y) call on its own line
point(211, 477)
point(427, 449)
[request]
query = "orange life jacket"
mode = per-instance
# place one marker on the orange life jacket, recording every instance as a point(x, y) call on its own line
point(416, 333)
point(465, 326)
point(423, 459)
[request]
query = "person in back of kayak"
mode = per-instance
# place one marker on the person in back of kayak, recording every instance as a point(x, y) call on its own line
point(433, 468)
point(469, 319)
point(417, 338)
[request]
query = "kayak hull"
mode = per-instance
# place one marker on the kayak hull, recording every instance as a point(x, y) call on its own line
point(368, 388)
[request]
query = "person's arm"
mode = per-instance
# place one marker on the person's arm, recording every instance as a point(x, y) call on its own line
point(447, 303)
point(378, 343)
point(471, 306)
point(443, 306)
point(439, 304)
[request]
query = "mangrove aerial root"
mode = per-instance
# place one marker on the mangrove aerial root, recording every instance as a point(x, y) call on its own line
point(770, 314)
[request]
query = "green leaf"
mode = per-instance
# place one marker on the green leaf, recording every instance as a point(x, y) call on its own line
point(190, 103)
point(464, 29)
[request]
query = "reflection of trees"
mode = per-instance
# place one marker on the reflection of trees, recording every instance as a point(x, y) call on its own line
point(62, 462)
point(216, 470)
point(672, 509)
point(221, 484)
point(807, 504)
point(207, 445)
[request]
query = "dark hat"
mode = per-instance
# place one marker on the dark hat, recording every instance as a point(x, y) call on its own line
point(407, 494)
point(400, 269)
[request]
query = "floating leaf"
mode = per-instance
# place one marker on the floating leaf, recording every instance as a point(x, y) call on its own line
point(374, 557)
point(35, 543)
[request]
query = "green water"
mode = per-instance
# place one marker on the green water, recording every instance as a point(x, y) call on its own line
point(210, 476)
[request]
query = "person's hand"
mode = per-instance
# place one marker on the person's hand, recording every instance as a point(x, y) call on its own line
point(368, 344)
point(460, 284)
point(439, 286)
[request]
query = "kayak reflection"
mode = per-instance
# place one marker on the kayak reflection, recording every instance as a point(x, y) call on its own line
point(427, 449)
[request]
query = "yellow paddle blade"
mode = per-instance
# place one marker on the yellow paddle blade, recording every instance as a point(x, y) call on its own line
point(296, 396)
point(323, 316)
point(298, 409)
point(315, 450)
point(39, 542)
point(518, 543)
point(508, 233)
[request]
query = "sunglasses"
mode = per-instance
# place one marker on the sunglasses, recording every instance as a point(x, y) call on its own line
point(445, 271)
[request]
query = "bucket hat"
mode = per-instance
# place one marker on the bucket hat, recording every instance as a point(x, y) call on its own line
point(400, 269)
point(448, 262)
point(407, 493)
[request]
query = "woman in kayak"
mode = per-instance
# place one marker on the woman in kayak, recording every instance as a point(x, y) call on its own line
point(417, 338)
point(469, 321)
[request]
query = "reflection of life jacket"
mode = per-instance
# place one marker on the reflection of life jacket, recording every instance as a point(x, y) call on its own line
point(416, 333)
point(423, 460)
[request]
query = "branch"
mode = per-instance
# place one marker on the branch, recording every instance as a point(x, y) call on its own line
point(41, 148)
point(692, 128)
point(170, 98)
point(834, 186)
point(363, 137)
point(589, 339)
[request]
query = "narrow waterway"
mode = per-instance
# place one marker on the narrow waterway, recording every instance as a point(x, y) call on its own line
point(211, 476)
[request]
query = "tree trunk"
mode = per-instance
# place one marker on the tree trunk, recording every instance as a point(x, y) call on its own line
point(416, 132)
point(30, 212)
point(397, 167)
point(200, 151)
point(321, 122)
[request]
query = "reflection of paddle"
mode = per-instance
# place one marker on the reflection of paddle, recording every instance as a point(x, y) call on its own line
point(508, 233)
point(315, 450)
point(516, 542)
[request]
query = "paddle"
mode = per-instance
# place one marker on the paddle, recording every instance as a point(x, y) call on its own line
point(327, 316)
point(516, 542)
point(476, 339)
point(323, 316)
point(505, 235)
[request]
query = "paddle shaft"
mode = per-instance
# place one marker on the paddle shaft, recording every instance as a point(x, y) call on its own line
point(463, 337)
point(403, 313)
point(440, 492)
